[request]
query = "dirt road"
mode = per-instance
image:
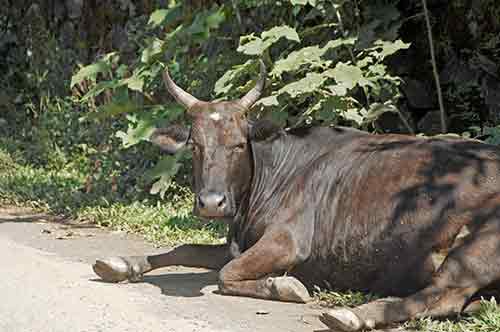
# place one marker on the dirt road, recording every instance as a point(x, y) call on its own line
point(48, 286)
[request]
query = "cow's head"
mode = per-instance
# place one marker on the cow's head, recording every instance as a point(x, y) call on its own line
point(219, 138)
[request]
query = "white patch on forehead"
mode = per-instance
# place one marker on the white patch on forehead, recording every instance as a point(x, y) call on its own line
point(215, 116)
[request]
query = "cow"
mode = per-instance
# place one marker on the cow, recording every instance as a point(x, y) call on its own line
point(334, 206)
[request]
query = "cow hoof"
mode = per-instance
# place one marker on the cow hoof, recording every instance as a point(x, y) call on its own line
point(116, 269)
point(342, 320)
point(289, 289)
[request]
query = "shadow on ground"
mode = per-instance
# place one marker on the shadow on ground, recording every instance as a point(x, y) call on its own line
point(183, 284)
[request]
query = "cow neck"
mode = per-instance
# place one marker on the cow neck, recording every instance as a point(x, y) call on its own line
point(271, 170)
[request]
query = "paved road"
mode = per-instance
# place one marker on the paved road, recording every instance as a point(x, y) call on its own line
point(48, 286)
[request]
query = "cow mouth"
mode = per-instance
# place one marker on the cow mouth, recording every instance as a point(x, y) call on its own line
point(225, 211)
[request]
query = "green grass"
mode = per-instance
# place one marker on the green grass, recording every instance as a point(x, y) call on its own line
point(329, 298)
point(61, 192)
point(487, 319)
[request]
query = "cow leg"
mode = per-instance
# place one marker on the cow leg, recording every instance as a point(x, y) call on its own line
point(254, 273)
point(468, 268)
point(132, 268)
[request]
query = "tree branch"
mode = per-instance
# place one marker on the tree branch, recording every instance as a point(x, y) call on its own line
point(434, 68)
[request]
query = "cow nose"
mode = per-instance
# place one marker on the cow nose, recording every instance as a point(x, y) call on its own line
point(212, 201)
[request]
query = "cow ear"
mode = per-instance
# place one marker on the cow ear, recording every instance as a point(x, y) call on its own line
point(263, 129)
point(171, 139)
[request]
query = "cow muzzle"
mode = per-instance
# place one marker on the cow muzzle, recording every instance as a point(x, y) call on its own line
point(212, 204)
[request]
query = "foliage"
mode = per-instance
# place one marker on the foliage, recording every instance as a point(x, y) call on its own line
point(63, 192)
point(487, 320)
point(79, 145)
point(351, 299)
point(328, 80)
point(330, 87)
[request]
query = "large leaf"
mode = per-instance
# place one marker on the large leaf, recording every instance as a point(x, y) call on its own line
point(101, 87)
point(252, 45)
point(304, 2)
point(158, 17)
point(113, 109)
point(308, 84)
point(386, 48)
point(279, 32)
point(377, 109)
point(140, 129)
point(205, 21)
point(226, 82)
point(345, 74)
point(153, 50)
point(355, 115)
point(308, 55)
point(164, 171)
point(89, 71)
point(268, 101)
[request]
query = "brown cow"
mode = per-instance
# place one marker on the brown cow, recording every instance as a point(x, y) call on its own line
point(335, 206)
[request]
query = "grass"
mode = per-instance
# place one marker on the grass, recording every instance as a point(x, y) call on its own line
point(330, 298)
point(487, 319)
point(170, 223)
point(61, 192)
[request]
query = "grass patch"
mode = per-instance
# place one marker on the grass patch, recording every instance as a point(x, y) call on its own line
point(329, 298)
point(487, 319)
point(61, 192)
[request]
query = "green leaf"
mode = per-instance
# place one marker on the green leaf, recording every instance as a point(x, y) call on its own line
point(153, 49)
point(282, 31)
point(89, 71)
point(308, 55)
point(139, 130)
point(377, 109)
point(164, 171)
point(113, 109)
point(339, 42)
point(308, 84)
point(304, 2)
point(378, 69)
point(225, 83)
point(135, 83)
point(345, 74)
point(100, 87)
point(252, 45)
point(494, 135)
point(268, 101)
point(159, 16)
point(338, 89)
point(163, 167)
point(355, 115)
point(386, 48)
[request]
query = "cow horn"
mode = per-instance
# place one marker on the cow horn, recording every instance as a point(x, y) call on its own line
point(253, 95)
point(181, 96)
